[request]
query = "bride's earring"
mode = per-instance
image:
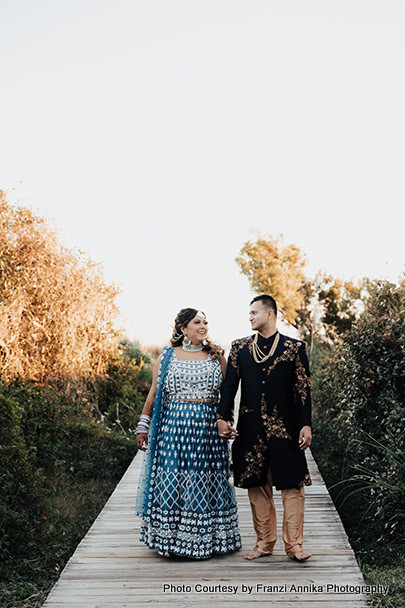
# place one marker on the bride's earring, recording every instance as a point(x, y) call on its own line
point(186, 341)
point(205, 342)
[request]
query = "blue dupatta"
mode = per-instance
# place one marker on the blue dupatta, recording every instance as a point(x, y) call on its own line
point(155, 424)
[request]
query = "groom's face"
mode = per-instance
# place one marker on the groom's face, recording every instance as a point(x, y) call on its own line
point(259, 315)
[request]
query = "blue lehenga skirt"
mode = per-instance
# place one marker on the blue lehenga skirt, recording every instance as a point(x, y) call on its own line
point(191, 506)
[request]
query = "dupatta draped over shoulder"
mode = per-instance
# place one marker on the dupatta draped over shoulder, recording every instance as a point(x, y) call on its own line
point(155, 424)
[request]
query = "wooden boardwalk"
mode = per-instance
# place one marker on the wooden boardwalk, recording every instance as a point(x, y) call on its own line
point(112, 569)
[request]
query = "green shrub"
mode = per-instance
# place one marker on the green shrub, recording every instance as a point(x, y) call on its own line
point(56, 442)
point(122, 392)
point(22, 488)
point(359, 417)
point(48, 442)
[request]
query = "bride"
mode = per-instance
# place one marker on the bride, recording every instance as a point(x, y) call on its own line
point(186, 502)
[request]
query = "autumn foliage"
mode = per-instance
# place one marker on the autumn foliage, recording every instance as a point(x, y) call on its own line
point(56, 311)
point(276, 269)
point(320, 308)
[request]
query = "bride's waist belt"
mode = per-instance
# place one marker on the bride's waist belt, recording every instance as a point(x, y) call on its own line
point(207, 400)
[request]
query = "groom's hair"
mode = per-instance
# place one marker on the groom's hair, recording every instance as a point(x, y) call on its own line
point(267, 301)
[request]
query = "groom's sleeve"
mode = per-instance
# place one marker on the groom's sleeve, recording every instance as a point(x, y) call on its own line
point(302, 386)
point(230, 385)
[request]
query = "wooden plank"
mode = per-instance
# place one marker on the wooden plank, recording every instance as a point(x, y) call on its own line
point(112, 569)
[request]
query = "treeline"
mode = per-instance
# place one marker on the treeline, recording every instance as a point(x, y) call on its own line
point(355, 333)
point(71, 390)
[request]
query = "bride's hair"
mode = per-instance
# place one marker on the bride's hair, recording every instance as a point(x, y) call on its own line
point(183, 318)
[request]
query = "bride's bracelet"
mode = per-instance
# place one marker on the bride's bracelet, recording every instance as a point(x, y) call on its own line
point(143, 424)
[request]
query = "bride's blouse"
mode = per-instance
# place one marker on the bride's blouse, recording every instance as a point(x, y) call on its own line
point(192, 379)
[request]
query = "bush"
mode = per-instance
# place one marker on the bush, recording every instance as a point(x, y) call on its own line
point(23, 498)
point(122, 393)
point(55, 440)
point(48, 441)
point(359, 417)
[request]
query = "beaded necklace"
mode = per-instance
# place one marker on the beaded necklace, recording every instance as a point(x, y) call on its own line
point(258, 355)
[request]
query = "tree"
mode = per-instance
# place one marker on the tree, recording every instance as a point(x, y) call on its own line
point(342, 302)
point(276, 269)
point(56, 312)
point(309, 315)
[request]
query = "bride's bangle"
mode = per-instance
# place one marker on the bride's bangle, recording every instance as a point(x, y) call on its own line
point(143, 424)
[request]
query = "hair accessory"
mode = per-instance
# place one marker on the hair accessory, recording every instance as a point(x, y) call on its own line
point(200, 314)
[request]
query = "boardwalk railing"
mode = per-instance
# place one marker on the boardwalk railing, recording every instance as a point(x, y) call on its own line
point(112, 569)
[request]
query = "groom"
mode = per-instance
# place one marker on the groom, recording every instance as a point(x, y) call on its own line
point(274, 426)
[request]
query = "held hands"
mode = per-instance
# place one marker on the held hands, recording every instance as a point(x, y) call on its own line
point(142, 441)
point(226, 430)
point(305, 437)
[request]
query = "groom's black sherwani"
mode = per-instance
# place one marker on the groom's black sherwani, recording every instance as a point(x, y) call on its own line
point(275, 404)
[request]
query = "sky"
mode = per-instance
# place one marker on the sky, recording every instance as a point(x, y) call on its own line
point(156, 135)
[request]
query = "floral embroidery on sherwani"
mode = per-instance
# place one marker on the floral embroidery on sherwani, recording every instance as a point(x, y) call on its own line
point(243, 409)
point(306, 481)
point(254, 459)
point(288, 355)
point(274, 424)
point(237, 345)
point(302, 380)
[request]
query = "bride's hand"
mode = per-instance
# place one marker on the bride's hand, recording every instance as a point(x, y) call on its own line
point(142, 441)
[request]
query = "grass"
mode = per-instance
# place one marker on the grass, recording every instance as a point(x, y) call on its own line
point(384, 565)
point(380, 563)
point(394, 577)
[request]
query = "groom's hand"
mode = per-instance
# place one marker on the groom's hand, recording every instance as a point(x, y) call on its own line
point(226, 430)
point(305, 437)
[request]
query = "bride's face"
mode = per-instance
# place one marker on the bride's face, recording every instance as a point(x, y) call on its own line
point(196, 330)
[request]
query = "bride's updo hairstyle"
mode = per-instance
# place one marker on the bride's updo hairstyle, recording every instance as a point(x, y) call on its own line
point(183, 318)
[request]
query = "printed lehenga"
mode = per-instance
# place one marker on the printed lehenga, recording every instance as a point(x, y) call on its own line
point(187, 504)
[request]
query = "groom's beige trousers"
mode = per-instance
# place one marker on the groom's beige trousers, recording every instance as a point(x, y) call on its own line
point(264, 517)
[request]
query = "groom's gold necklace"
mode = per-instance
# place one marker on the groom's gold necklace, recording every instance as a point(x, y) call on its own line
point(258, 355)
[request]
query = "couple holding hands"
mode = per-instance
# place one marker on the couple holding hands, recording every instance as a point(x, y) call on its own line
point(187, 505)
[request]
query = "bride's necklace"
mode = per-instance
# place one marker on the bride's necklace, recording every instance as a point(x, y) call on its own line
point(192, 348)
point(258, 355)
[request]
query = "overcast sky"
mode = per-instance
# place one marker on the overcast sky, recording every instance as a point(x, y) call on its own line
point(156, 134)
